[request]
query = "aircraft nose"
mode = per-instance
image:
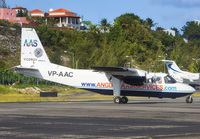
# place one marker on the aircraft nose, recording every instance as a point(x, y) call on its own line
point(186, 88)
point(191, 89)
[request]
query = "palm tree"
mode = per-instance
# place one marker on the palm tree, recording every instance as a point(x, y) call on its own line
point(149, 22)
point(104, 25)
point(93, 28)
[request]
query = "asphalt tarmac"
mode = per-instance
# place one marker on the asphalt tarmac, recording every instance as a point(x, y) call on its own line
point(140, 118)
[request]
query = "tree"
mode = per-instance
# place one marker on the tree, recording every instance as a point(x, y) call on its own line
point(159, 29)
point(55, 57)
point(93, 28)
point(87, 23)
point(128, 18)
point(51, 21)
point(105, 25)
point(176, 31)
point(3, 4)
point(128, 36)
point(2, 65)
point(191, 31)
point(150, 23)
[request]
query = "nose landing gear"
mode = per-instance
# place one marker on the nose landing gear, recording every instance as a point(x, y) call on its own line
point(189, 99)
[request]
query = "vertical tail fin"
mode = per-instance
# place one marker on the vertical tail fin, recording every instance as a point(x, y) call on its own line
point(172, 67)
point(32, 51)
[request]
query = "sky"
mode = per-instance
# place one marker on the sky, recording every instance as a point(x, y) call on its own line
point(167, 13)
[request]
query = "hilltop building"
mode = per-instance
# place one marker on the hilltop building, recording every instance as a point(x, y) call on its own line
point(197, 22)
point(18, 8)
point(170, 32)
point(10, 15)
point(36, 13)
point(65, 18)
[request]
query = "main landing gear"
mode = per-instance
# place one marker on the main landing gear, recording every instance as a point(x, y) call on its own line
point(189, 99)
point(119, 100)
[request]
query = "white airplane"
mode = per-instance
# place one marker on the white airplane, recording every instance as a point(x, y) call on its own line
point(117, 81)
point(190, 78)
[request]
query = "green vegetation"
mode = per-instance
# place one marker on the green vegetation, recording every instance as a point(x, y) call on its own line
point(129, 36)
point(6, 90)
point(9, 45)
point(8, 94)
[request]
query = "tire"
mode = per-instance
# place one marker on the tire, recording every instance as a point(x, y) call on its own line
point(117, 100)
point(124, 99)
point(189, 99)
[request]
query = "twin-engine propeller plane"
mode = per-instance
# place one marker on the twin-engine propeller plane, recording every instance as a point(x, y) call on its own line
point(117, 81)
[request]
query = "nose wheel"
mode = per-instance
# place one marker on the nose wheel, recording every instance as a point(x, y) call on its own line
point(189, 99)
point(119, 100)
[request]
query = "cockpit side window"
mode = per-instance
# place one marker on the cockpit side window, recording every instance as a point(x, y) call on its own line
point(169, 79)
point(158, 80)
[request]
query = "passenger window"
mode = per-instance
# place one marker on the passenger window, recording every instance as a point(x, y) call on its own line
point(149, 80)
point(159, 80)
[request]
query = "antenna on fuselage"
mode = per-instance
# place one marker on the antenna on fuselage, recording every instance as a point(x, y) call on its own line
point(153, 68)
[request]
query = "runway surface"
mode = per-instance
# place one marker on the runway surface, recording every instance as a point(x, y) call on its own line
point(140, 118)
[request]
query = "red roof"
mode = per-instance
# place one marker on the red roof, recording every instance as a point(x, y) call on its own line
point(36, 11)
point(61, 10)
point(63, 15)
point(19, 7)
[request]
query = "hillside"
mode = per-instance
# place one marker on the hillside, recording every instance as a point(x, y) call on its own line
point(10, 42)
point(129, 36)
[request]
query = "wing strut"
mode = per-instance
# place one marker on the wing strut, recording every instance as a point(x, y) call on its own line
point(116, 87)
point(117, 90)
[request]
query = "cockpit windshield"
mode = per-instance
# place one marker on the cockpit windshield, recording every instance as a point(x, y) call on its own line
point(169, 79)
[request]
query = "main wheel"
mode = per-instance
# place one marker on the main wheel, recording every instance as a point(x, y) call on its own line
point(124, 99)
point(117, 100)
point(189, 99)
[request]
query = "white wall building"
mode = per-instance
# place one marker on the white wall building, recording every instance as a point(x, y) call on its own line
point(18, 8)
point(170, 32)
point(197, 22)
point(36, 13)
point(65, 18)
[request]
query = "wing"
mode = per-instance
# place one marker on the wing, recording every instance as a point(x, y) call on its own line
point(128, 76)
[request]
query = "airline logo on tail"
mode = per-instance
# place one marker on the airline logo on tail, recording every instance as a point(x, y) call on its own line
point(170, 66)
point(31, 42)
point(38, 52)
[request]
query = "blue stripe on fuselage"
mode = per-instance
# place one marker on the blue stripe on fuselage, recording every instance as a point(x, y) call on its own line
point(140, 93)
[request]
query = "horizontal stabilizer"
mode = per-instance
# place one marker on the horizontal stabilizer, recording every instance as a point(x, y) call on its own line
point(18, 68)
point(27, 71)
